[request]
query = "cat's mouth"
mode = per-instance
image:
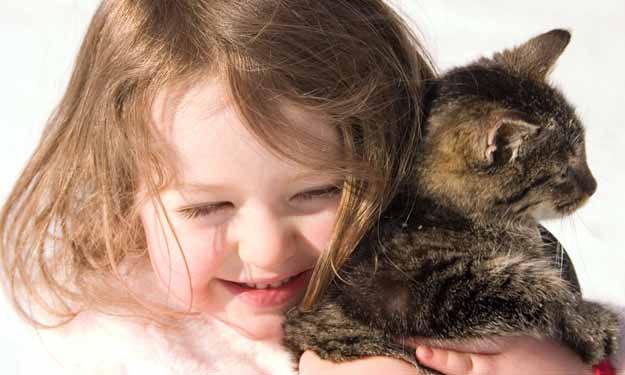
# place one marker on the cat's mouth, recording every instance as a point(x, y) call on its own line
point(567, 208)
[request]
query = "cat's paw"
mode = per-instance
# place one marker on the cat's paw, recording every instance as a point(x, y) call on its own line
point(592, 331)
point(336, 336)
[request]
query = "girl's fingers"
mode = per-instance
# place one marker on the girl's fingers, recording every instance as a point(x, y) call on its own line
point(510, 356)
point(311, 364)
point(311, 360)
point(450, 362)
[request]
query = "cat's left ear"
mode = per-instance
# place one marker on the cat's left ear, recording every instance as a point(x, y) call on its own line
point(505, 136)
point(537, 56)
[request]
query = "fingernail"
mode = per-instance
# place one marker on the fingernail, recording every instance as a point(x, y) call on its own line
point(424, 353)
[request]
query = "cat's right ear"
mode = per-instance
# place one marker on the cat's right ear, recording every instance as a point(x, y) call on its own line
point(505, 137)
point(537, 56)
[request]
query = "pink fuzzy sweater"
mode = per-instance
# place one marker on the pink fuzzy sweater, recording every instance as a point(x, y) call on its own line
point(100, 344)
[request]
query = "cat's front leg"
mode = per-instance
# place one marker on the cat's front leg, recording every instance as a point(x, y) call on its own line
point(591, 330)
point(334, 335)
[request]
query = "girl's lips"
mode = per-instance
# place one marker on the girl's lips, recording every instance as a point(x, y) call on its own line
point(269, 297)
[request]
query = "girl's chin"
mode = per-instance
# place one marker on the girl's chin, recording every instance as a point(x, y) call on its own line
point(266, 327)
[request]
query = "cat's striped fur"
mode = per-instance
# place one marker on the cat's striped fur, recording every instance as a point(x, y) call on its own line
point(459, 254)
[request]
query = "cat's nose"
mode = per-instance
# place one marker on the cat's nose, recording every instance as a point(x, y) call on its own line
point(589, 185)
point(585, 180)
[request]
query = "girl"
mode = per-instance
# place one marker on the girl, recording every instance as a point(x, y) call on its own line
point(209, 164)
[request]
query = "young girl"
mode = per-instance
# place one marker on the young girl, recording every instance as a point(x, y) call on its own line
point(210, 162)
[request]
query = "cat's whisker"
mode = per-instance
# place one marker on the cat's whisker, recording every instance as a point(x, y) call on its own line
point(571, 222)
point(560, 257)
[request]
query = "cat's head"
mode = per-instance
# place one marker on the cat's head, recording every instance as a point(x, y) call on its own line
point(501, 142)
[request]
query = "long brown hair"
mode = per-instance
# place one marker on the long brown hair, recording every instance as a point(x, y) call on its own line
point(72, 217)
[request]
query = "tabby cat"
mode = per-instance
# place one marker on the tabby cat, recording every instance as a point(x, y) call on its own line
point(459, 254)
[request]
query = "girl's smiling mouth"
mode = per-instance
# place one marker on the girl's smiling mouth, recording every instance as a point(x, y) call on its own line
point(269, 292)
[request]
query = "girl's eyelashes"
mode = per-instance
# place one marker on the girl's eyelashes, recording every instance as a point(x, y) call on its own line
point(204, 210)
point(329, 191)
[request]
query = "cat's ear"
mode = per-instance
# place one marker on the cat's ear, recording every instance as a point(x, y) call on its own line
point(537, 56)
point(505, 136)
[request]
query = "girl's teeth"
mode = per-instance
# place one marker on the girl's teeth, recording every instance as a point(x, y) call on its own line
point(276, 284)
point(272, 285)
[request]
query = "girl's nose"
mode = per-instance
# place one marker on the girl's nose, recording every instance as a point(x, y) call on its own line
point(265, 239)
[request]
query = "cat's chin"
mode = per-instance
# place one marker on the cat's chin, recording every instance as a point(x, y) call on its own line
point(549, 211)
point(546, 211)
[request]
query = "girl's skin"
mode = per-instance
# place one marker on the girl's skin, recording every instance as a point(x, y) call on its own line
point(244, 215)
point(509, 356)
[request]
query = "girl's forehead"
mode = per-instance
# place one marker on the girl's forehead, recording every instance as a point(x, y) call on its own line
point(200, 123)
point(207, 103)
point(172, 105)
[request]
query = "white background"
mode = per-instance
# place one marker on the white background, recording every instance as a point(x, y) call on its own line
point(40, 38)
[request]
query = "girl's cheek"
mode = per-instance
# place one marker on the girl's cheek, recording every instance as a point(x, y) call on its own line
point(194, 254)
point(186, 259)
point(182, 273)
point(317, 229)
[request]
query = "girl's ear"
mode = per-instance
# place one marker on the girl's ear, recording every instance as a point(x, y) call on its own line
point(537, 56)
point(505, 136)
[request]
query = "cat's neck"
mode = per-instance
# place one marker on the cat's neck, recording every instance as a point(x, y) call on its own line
point(411, 210)
point(494, 219)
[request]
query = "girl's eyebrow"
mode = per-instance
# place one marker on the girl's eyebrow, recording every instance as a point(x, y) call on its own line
point(199, 187)
point(314, 177)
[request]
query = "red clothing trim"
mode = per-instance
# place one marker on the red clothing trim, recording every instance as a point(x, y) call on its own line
point(604, 368)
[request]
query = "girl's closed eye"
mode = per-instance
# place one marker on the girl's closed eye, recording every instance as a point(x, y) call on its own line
point(325, 192)
point(194, 212)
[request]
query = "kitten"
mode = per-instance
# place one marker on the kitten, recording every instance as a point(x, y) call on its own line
point(459, 254)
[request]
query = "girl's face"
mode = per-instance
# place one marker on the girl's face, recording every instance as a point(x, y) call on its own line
point(250, 224)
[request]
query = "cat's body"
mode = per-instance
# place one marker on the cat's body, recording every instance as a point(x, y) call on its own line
point(459, 254)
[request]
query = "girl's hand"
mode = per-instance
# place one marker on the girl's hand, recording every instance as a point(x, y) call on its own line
point(503, 356)
point(311, 364)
